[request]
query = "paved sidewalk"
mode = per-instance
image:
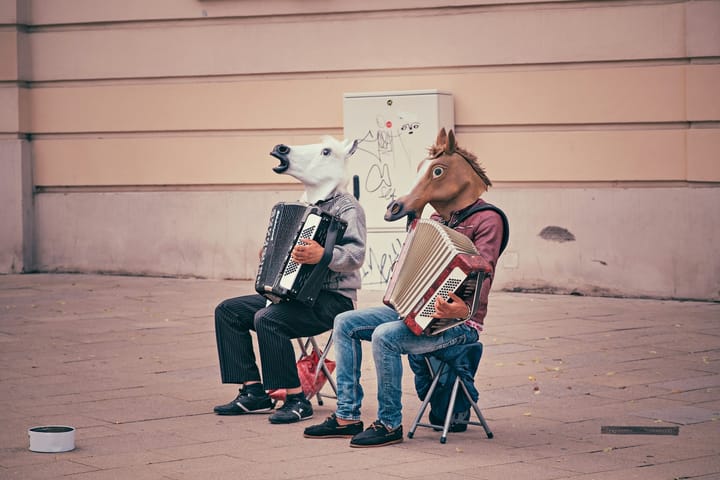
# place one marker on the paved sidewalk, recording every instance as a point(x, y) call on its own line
point(131, 363)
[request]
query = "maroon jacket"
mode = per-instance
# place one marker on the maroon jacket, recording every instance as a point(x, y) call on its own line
point(485, 229)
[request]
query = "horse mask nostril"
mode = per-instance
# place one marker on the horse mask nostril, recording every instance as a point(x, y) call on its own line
point(283, 149)
point(395, 208)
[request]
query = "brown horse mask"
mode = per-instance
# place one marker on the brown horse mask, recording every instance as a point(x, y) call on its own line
point(449, 179)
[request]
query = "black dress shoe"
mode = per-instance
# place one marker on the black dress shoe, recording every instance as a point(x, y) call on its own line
point(377, 435)
point(330, 428)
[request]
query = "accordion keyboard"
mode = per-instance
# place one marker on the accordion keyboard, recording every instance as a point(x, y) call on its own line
point(292, 268)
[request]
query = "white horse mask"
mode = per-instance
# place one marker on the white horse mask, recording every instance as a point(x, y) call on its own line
point(321, 167)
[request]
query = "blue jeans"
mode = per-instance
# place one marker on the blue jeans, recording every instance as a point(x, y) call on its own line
point(390, 339)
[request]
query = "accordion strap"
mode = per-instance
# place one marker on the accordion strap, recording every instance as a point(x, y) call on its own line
point(487, 206)
point(320, 267)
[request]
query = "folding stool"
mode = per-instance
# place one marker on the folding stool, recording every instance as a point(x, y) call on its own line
point(308, 346)
point(471, 350)
point(322, 353)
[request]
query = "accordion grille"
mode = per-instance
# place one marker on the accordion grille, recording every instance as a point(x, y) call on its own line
point(427, 251)
point(280, 239)
point(447, 288)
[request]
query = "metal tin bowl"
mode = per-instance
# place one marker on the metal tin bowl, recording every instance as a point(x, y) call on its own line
point(52, 438)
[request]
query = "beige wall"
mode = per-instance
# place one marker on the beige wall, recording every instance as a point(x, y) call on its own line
point(16, 199)
point(150, 124)
point(552, 114)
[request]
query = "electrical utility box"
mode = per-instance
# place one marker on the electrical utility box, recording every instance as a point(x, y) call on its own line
point(395, 130)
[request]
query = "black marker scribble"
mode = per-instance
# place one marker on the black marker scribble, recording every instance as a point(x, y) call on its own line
point(409, 128)
point(380, 145)
point(378, 180)
point(380, 264)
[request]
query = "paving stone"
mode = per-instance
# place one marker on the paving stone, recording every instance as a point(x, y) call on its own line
point(681, 414)
point(517, 471)
point(695, 383)
point(57, 468)
point(592, 462)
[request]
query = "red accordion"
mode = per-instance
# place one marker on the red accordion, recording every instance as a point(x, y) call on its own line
point(434, 260)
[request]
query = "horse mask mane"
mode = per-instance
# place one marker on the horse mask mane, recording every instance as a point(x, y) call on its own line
point(445, 144)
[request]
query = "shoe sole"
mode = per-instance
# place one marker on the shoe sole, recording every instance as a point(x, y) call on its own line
point(399, 440)
point(249, 412)
point(338, 435)
point(284, 422)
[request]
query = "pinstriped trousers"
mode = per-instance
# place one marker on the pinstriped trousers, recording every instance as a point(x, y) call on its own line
point(275, 326)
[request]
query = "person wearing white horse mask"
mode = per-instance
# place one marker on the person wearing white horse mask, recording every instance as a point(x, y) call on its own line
point(322, 170)
point(451, 180)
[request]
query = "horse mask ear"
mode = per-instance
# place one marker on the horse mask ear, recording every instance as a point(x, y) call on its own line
point(441, 138)
point(450, 148)
point(352, 149)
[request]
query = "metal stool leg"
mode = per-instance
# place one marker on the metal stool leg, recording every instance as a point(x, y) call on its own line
point(458, 387)
point(416, 423)
point(451, 407)
point(479, 414)
point(322, 354)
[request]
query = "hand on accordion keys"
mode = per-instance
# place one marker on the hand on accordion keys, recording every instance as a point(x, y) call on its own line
point(307, 252)
point(453, 307)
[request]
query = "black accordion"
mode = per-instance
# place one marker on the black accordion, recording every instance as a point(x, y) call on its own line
point(279, 278)
point(434, 261)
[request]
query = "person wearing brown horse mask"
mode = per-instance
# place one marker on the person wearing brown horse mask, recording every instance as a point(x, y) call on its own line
point(451, 180)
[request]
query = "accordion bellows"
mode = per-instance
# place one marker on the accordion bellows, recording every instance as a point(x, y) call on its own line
point(434, 260)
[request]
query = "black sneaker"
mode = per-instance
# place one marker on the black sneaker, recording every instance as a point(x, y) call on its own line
point(377, 435)
point(245, 403)
point(293, 410)
point(330, 428)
